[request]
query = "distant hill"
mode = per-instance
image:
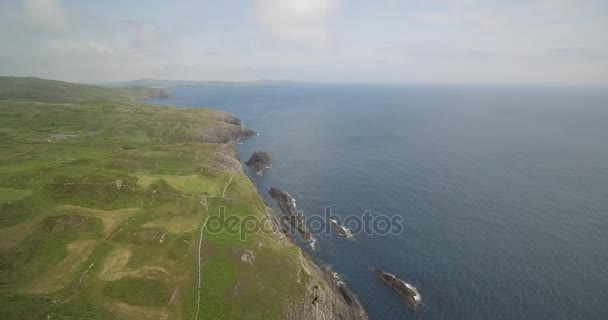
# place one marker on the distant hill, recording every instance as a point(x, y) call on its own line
point(66, 92)
point(168, 84)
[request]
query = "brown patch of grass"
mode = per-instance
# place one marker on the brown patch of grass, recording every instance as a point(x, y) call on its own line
point(115, 267)
point(127, 311)
point(111, 218)
point(115, 264)
point(11, 236)
point(58, 276)
point(176, 224)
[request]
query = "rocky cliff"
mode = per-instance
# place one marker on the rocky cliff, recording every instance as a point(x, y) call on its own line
point(326, 298)
point(290, 211)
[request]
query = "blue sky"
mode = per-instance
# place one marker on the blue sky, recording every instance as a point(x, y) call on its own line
point(388, 41)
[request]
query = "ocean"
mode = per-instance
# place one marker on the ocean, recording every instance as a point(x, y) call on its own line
point(503, 191)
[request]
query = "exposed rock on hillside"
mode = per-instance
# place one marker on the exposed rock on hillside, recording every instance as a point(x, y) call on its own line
point(288, 206)
point(225, 133)
point(326, 298)
point(259, 161)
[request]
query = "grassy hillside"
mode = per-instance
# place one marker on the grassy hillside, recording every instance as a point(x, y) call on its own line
point(102, 204)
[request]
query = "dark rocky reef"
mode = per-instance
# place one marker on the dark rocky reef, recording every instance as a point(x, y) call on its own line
point(404, 289)
point(342, 230)
point(259, 161)
point(288, 206)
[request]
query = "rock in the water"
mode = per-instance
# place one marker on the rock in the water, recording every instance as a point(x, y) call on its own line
point(342, 230)
point(259, 161)
point(404, 289)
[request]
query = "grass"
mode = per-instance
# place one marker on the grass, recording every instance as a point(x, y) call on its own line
point(100, 210)
point(10, 194)
point(143, 292)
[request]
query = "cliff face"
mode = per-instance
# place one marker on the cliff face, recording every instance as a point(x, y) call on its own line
point(227, 129)
point(326, 298)
point(288, 206)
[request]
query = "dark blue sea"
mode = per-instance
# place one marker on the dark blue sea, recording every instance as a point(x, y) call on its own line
point(503, 191)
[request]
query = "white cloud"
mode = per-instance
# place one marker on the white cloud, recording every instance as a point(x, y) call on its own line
point(297, 21)
point(469, 41)
point(46, 15)
point(479, 17)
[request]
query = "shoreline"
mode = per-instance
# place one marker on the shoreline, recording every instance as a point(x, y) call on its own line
point(326, 295)
point(345, 304)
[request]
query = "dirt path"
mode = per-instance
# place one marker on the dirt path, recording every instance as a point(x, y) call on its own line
point(200, 257)
point(175, 292)
point(227, 185)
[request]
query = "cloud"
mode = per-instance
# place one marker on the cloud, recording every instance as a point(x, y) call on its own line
point(46, 15)
point(573, 55)
point(297, 21)
point(479, 17)
point(314, 40)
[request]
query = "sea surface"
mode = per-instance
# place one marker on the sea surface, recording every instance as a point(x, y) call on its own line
point(503, 191)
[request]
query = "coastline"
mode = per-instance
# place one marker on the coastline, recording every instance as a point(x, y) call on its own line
point(327, 296)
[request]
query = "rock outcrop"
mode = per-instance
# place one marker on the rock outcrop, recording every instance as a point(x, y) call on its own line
point(228, 133)
point(294, 217)
point(326, 298)
point(225, 129)
point(342, 230)
point(259, 161)
point(404, 289)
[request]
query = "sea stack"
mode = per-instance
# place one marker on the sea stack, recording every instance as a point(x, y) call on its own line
point(404, 289)
point(259, 161)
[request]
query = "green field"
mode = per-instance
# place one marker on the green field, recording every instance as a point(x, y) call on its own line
point(101, 209)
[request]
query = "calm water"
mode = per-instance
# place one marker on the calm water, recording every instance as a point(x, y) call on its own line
point(504, 191)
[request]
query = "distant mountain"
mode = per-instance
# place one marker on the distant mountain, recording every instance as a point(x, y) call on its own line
point(168, 84)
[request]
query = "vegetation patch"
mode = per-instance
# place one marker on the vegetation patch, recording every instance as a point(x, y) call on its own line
point(111, 218)
point(11, 194)
point(177, 224)
point(143, 292)
point(11, 236)
point(194, 185)
point(47, 246)
point(58, 276)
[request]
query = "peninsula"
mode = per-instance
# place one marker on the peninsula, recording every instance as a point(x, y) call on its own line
point(103, 209)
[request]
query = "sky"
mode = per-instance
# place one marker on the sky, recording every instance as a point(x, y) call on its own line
point(541, 42)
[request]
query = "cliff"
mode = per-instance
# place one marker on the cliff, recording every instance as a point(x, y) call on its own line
point(326, 298)
point(290, 212)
